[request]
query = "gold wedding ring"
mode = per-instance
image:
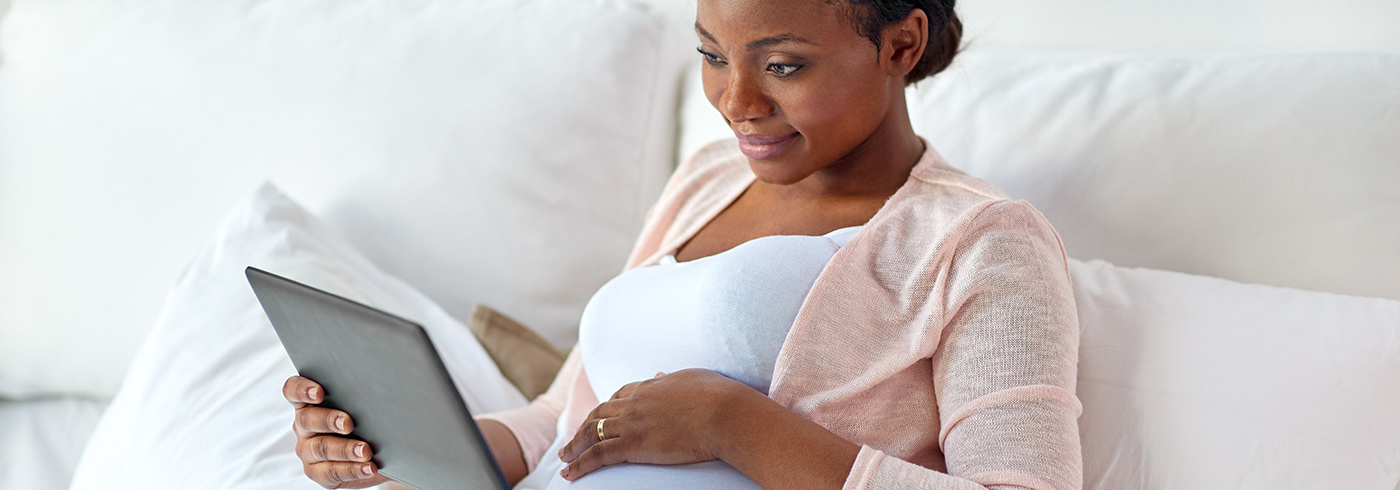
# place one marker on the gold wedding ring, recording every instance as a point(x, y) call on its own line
point(601, 437)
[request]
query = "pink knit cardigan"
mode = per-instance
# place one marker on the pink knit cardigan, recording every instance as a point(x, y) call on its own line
point(942, 338)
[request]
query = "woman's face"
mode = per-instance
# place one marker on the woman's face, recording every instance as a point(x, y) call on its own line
point(798, 85)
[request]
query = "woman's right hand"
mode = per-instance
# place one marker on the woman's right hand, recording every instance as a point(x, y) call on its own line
point(329, 460)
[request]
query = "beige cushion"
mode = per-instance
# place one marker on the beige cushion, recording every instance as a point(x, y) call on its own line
point(524, 357)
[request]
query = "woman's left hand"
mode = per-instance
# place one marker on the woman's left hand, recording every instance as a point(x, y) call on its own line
point(670, 419)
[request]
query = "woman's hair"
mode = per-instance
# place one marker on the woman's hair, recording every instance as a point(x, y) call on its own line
point(870, 17)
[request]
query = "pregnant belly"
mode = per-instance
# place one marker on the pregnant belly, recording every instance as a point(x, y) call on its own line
point(707, 475)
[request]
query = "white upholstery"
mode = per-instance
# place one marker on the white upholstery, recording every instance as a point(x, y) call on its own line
point(41, 441)
point(1202, 383)
point(1278, 170)
point(511, 177)
point(1267, 169)
point(1184, 25)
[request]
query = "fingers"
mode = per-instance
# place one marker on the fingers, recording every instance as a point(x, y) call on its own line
point(332, 462)
point(339, 475)
point(587, 434)
point(313, 420)
point(333, 449)
point(586, 437)
point(605, 453)
point(300, 392)
point(581, 441)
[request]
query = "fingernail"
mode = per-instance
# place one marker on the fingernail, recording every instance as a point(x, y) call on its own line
point(340, 423)
point(564, 472)
point(359, 450)
point(366, 470)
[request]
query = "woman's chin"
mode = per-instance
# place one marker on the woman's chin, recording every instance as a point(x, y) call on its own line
point(788, 168)
point(766, 173)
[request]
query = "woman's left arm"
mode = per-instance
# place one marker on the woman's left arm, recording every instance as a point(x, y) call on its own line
point(778, 449)
point(698, 415)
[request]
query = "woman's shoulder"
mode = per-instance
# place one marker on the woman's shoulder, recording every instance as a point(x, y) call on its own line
point(712, 176)
point(952, 208)
point(934, 178)
point(940, 195)
point(705, 180)
point(716, 160)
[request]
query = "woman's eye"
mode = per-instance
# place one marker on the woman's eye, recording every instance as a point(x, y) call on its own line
point(709, 58)
point(781, 69)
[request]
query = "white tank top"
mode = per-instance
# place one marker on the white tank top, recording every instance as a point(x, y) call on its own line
point(729, 312)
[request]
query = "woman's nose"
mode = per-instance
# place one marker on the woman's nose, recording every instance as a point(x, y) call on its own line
point(743, 99)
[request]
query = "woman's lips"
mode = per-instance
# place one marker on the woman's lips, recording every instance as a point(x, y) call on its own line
point(762, 147)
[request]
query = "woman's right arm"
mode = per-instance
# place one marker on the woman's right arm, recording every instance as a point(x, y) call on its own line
point(527, 432)
point(505, 448)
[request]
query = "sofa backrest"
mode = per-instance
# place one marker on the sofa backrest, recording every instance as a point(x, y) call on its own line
point(1256, 26)
point(515, 176)
point(1272, 169)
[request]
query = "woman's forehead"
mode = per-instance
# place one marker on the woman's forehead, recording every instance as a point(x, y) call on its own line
point(747, 22)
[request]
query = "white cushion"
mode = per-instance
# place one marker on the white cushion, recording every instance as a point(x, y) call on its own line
point(1265, 169)
point(1277, 170)
point(1202, 383)
point(490, 151)
point(202, 404)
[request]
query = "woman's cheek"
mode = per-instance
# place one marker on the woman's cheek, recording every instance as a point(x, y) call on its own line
point(834, 126)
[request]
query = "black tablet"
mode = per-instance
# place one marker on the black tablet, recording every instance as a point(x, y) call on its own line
point(384, 372)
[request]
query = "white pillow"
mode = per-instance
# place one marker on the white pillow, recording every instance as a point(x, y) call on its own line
point(499, 152)
point(1276, 170)
point(201, 406)
point(1202, 383)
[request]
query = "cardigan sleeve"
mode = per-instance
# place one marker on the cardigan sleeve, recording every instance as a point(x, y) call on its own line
point(1005, 366)
point(535, 425)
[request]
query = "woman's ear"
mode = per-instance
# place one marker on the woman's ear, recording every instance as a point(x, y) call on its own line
point(903, 43)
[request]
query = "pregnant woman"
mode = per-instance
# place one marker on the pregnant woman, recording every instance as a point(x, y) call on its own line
point(821, 302)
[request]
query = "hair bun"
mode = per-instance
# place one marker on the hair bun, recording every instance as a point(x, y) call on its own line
point(870, 17)
point(939, 53)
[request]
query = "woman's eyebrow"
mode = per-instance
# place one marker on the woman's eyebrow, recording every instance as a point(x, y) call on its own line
point(761, 43)
point(704, 32)
point(776, 40)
